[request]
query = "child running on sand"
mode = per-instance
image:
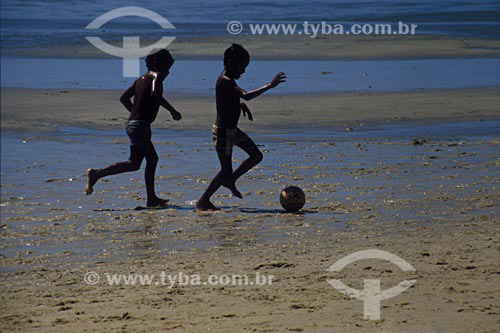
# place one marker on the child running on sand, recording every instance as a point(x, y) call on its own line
point(225, 132)
point(148, 97)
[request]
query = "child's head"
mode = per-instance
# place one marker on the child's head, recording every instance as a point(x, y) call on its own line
point(159, 61)
point(236, 59)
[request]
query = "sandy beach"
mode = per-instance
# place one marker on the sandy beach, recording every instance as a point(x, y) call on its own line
point(43, 109)
point(429, 195)
point(457, 286)
point(435, 205)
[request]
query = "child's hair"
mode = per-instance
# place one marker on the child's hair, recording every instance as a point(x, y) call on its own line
point(236, 54)
point(158, 58)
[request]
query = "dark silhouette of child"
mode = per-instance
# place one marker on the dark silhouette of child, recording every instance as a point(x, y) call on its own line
point(148, 97)
point(225, 132)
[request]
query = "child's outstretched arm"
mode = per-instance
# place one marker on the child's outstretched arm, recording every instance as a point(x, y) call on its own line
point(279, 78)
point(126, 96)
point(175, 114)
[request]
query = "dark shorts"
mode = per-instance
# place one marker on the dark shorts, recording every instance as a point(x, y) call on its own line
point(226, 138)
point(139, 132)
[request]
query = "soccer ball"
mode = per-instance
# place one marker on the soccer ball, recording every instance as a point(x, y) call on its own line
point(292, 199)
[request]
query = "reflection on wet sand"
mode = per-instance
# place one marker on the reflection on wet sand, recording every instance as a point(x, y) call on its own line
point(401, 175)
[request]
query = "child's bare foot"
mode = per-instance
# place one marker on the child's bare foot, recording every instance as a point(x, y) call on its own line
point(157, 202)
point(91, 180)
point(205, 205)
point(231, 185)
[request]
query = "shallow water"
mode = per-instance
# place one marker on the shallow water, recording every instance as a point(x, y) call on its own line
point(197, 77)
point(369, 175)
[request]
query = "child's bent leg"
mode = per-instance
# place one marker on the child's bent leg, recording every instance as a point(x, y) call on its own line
point(254, 158)
point(133, 164)
point(149, 176)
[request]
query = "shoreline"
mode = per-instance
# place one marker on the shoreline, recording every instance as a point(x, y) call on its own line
point(283, 47)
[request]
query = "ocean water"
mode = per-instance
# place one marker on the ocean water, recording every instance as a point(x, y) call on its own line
point(56, 22)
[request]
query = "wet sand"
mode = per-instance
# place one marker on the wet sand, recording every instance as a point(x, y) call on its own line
point(430, 198)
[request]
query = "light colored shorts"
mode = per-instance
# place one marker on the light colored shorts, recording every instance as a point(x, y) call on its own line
point(226, 138)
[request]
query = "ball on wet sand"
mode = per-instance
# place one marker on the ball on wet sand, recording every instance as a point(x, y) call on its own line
point(292, 199)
